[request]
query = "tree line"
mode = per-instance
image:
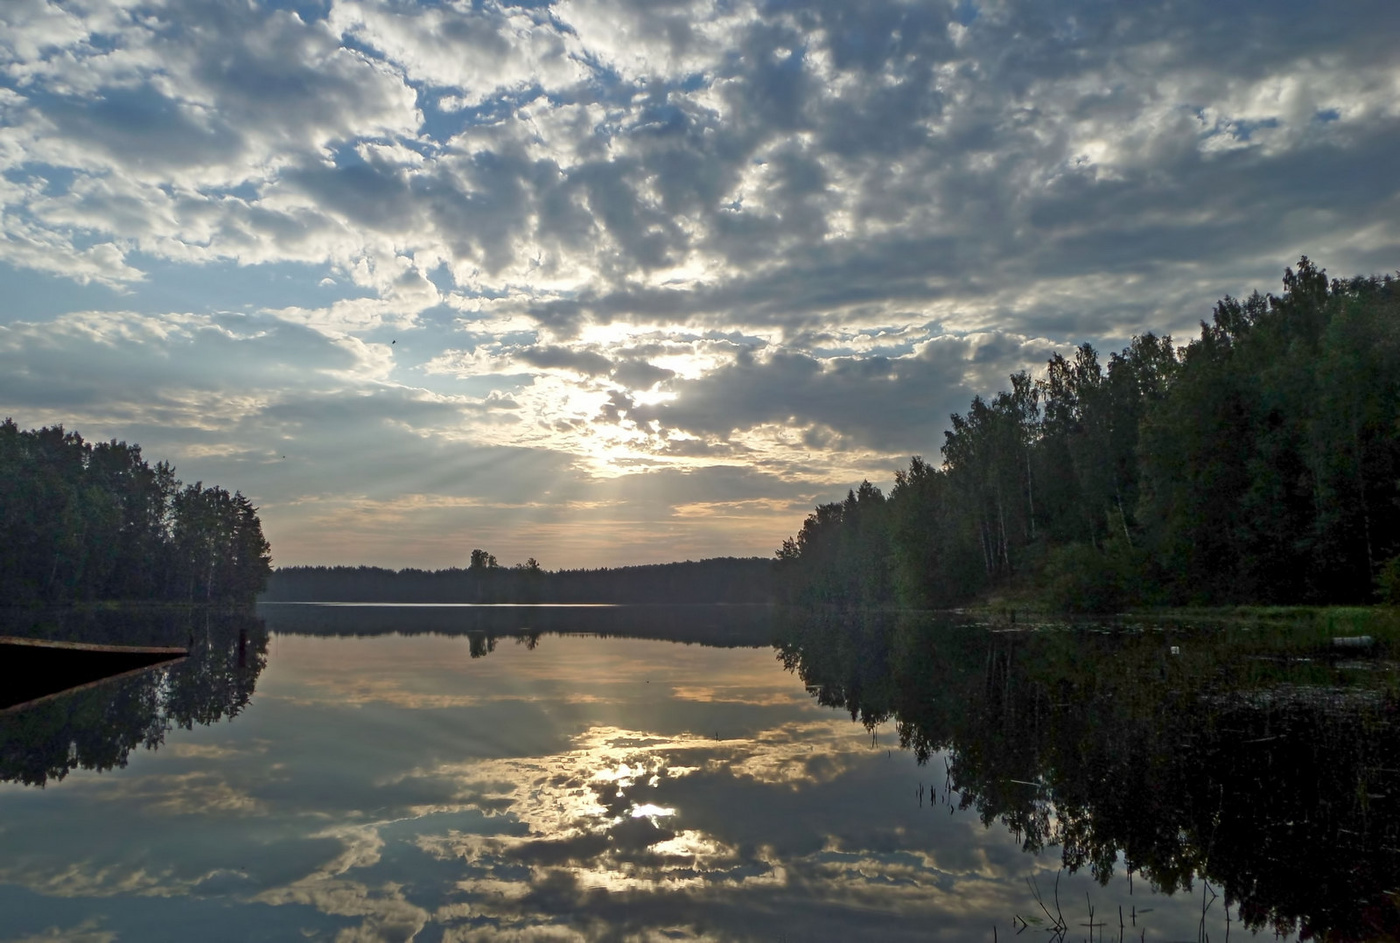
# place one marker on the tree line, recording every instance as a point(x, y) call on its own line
point(94, 521)
point(1260, 463)
point(717, 580)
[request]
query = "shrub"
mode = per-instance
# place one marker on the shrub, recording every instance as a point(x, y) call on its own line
point(1388, 582)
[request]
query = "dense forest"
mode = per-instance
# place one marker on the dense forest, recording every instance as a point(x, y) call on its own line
point(1260, 463)
point(83, 521)
point(718, 580)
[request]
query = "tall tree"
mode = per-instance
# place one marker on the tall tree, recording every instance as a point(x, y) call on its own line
point(81, 521)
point(1259, 463)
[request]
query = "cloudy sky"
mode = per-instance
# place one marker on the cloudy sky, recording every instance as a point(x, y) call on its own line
point(617, 281)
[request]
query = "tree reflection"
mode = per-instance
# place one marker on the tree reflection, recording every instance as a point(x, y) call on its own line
point(1274, 776)
point(97, 728)
point(717, 626)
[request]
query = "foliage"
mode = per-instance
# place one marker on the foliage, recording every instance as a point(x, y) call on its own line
point(83, 521)
point(1260, 463)
point(1388, 582)
point(1079, 577)
point(842, 552)
point(718, 580)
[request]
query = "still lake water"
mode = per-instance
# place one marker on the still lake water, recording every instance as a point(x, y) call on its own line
point(642, 773)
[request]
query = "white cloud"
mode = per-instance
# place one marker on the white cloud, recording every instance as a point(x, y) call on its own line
point(656, 39)
point(475, 50)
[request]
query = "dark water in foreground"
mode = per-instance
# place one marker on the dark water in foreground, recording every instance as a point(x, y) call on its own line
point(381, 773)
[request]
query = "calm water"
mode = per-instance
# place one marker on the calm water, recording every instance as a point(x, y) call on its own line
point(381, 773)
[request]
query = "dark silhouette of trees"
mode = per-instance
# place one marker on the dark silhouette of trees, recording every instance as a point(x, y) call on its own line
point(842, 552)
point(718, 580)
point(1258, 463)
point(83, 521)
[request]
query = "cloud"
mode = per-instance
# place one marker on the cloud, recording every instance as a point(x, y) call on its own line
point(872, 402)
point(654, 236)
point(585, 362)
point(474, 50)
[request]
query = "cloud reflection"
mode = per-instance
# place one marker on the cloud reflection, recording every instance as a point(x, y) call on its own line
point(592, 789)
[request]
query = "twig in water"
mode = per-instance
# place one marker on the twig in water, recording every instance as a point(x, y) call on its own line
point(1091, 924)
point(1057, 899)
point(1057, 925)
point(1205, 905)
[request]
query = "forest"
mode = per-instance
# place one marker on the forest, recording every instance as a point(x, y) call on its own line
point(717, 580)
point(1259, 463)
point(83, 521)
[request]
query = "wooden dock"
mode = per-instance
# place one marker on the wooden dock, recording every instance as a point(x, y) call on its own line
point(35, 670)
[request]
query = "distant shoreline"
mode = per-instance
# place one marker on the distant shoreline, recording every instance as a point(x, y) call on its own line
point(744, 580)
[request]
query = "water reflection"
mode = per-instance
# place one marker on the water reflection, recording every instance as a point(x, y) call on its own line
point(1269, 769)
point(720, 626)
point(98, 727)
point(387, 783)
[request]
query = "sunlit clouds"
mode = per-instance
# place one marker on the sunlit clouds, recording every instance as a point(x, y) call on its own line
point(645, 257)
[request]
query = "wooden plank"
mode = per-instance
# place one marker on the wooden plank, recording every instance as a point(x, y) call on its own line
point(16, 708)
point(89, 647)
point(34, 670)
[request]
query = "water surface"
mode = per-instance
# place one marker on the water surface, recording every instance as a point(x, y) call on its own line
point(441, 774)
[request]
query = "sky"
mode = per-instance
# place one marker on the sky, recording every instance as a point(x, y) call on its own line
point(626, 281)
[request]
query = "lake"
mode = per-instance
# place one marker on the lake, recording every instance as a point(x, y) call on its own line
point(731, 773)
